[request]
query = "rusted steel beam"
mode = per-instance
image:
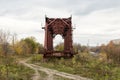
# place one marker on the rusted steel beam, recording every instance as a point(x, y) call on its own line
point(53, 27)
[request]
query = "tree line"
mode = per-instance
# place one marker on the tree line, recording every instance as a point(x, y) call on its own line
point(9, 44)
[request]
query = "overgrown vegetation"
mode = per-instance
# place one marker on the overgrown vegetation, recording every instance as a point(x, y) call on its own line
point(113, 52)
point(103, 65)
point(13, 70)
point(10, 68)
point(97, 67)
point(84, 65)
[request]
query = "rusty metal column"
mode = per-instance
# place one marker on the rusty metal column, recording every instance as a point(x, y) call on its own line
point(50, 42)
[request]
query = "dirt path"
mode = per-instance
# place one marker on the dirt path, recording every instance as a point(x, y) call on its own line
point(62, 74)
point(50, 72)
point(36, 75)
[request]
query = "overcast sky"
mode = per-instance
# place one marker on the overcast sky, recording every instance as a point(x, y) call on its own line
point(96, 21)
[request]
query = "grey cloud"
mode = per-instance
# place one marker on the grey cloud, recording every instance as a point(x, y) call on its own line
point(76, 7)
point(98, 5)
point(65, 4)
point(23, 8)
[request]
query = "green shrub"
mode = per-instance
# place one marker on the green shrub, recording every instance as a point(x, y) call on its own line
point(37, 58)
point(85, 65)
point(15, 70)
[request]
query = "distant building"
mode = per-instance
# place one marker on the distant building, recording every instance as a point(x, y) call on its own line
point(116, 41)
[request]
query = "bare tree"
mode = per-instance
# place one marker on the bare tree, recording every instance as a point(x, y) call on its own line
point(4, 43)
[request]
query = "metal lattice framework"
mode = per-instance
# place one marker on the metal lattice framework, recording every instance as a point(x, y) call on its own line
point(53, 27)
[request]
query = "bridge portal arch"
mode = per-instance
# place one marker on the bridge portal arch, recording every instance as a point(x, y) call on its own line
point(58, 26)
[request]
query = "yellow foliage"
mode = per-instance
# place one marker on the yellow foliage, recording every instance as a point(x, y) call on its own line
point(102, 56)
point(18, 50)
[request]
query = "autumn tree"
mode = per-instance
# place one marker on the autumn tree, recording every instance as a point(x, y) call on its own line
point(113, 52)
point(4, 48)
point(28, 46)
